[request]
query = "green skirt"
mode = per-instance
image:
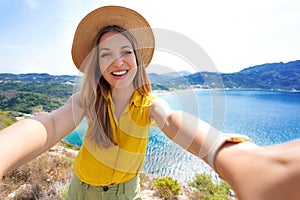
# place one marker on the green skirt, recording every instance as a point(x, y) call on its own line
point(79, 190)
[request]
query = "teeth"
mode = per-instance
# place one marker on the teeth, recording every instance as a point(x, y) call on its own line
point(119, 73)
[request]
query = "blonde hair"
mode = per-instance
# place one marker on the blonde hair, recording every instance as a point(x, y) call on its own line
point(94, 90)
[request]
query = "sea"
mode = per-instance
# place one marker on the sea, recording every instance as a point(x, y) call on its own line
point(268, 117)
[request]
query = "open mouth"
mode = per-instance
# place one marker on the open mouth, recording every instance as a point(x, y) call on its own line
point(120, 73)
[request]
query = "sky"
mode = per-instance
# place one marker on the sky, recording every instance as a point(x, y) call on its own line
point(36, 35)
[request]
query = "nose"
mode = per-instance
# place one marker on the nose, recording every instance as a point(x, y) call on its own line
point(118, 61)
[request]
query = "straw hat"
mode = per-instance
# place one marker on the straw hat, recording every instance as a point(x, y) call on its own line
point(92, 23)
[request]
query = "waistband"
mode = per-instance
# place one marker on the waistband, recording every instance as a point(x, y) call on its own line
point(115, 188)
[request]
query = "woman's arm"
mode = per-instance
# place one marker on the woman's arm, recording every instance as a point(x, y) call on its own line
point(28, 138)
point(261, 173)
point(285, 145)
point(254, 172)
point(188, 131)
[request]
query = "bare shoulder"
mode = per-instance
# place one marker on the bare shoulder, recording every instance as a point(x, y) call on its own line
point(74, 99)
point(159, 110)
point(159, 104)
point(72, 109)
point(74, 104)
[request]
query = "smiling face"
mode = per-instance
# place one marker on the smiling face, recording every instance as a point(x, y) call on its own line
point(117, 60)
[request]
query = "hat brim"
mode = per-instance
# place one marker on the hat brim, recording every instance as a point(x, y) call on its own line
point(89, 27)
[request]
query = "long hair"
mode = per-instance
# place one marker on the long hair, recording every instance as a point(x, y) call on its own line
point(94, 90)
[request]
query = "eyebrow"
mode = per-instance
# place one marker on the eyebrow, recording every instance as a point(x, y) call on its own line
point(124, 47)
point(107, 49)
point(103, 49)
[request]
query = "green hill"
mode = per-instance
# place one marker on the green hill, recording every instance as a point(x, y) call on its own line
point(29, 93)
point(272, 76)
point(275, 76)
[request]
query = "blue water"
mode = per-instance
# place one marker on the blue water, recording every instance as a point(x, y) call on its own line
point(268, 117)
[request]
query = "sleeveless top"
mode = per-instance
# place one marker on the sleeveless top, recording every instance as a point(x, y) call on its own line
point(121, 162)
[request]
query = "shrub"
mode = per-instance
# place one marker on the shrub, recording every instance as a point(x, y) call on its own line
point(167, 187)
point(6, 119)
point(206, 189)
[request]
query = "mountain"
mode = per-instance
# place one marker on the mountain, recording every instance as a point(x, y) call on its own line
point(30, 93)
point(36, 78)
point(275, 76)
point(271, 76)
point(168, 80)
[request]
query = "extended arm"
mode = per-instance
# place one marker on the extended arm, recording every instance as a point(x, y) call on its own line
point(28, 138)
point(260, 173)
point(190, 132)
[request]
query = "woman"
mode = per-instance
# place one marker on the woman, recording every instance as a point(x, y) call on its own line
point(112, 46)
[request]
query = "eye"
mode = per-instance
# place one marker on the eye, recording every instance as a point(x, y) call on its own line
point(104, 55)
point(128, 52)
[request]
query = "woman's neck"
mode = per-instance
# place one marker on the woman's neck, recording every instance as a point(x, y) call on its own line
point(121, 98)
point(121, 94)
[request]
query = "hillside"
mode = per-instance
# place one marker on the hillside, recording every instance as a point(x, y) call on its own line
point(32, 93)
point(272, 76)
point(275, 76)
point(29, 93)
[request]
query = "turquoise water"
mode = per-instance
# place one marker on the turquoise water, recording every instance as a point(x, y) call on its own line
point(268, 117)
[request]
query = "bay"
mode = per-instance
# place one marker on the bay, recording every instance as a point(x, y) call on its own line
point(268, 117)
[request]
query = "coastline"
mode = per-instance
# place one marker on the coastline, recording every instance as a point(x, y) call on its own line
point(220, 89)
